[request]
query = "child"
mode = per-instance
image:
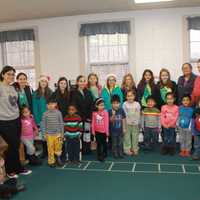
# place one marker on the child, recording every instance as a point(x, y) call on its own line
point(169, 117)
point(100, 123)
point(53, 128)
point(185, 117)
point(117, 126)
point(147, 87)
point(195, 125)
point(151, 124)
point(73, 127)
point(132, 111)
point(93, 85)
point(29, 132)
point(82, 98)
point(111, 88)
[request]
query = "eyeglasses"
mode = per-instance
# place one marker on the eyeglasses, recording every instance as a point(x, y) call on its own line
point(10, 74)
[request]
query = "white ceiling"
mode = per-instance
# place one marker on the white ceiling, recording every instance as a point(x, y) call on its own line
point(14, 10)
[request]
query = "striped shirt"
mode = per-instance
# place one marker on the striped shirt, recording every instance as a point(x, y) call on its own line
point(72, 126)
point(52, 122)
point(151, 118)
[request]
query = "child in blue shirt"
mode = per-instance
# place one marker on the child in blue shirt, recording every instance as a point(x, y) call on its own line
point(117, 126)
point(185, 118)
point(195, 125)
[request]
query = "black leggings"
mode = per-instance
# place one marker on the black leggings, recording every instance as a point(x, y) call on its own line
point(10, 131)
point(101, 145)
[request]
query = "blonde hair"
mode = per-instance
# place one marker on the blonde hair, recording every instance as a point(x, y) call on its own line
point(124, 80)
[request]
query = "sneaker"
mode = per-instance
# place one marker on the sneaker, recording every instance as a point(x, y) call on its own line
point(182, 153)
point(59, 162)
point(25, 172)
point(12, 175)
point(187, 153)
point(135, 153)
point(195, 157)
point(53, 165)
point(129, 153)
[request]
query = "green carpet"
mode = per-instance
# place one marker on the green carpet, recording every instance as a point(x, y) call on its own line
point(50, 184)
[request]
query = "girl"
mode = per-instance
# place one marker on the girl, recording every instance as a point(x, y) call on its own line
point(165, 85)
point(147, 87)
point(10, 126)
point(169, 117)
point(93, 85)
point(185, 82)
point(100, 124)
point(110, 89)
point(24, 90)
point(132, 110)
point(196, 89)
point(28, 133)
point(40, 98)
point(128, 84)
point(62, 95)
point(83, 100)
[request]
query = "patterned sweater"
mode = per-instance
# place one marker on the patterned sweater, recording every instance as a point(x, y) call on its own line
point(72, 126)
point(151, 118)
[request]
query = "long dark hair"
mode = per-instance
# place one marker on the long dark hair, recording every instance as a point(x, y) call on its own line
point(92, 74)
point(142, 83)
point(58, 91)
point(5, 70)
point(77, 80)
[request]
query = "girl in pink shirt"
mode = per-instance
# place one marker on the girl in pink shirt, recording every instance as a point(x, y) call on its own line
point(169, 117)
point(100, 128)
point(28, 132)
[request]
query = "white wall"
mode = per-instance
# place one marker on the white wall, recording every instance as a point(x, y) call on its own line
point(156, 40)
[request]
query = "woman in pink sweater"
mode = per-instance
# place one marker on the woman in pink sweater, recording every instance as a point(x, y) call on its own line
point(28, 132)
point(100, 128)
point(169, 117)
point(196, 89)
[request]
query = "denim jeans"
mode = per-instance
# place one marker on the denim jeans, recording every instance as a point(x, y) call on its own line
point(169, 136)
point(197, 145)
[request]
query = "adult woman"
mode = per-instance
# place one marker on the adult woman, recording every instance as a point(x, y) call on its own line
point(166, 85)
point(185, 82)
point(24, 91)
point(128, 84)
point(10, 126)
point(110, 89)
point(62, 95)
point(196, 89)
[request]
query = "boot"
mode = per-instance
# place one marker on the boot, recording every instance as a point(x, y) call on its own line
point(164, 150)
point(171, 150)
point(34, 160)
point(59, 162)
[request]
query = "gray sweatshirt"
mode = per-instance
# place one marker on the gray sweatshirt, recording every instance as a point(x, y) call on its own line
point(8, 103)
point(52, 122)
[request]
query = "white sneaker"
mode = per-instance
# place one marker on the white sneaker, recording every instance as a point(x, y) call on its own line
point(12, 175)
point(25, 172)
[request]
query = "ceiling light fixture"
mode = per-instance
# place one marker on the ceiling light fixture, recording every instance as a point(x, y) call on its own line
point(150, 1)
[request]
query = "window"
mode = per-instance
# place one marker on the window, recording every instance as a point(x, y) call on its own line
point(194, 45)
point(17, 49)
point(107, 53)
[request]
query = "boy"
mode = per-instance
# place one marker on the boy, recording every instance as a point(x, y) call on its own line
point(151, 124)
point(52, 126)
point(185, 118)
point(73, 126)
point(117, 126)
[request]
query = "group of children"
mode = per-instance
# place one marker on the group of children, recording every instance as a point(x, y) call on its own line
point(119, 126)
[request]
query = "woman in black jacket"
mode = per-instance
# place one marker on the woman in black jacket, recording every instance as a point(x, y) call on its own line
point(62, 95)
point(83, 100)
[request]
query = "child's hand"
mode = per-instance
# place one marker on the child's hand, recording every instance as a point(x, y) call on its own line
point(112, 119)
point(107, 139)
